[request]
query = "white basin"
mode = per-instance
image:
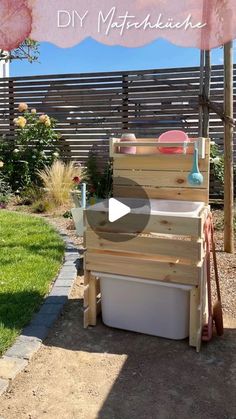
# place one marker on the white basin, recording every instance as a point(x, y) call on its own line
point(156, 206)
point(176, 208)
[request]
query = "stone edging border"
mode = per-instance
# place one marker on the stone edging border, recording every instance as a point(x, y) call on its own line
point(28, 343)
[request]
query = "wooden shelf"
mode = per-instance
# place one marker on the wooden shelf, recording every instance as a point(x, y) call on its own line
point(116, 143)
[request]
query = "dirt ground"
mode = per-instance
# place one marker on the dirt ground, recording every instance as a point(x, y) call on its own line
point(104, 373)
point(111, 374)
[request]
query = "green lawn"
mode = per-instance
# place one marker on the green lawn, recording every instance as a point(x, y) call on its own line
point(31, 253)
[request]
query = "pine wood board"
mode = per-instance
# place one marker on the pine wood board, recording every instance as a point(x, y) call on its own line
point(157, 162)
point(186, 226)
point(156, 178)
point(139, 268)
point(152, 145)
point(184, 249)
point(181, 194)
point(194, 316)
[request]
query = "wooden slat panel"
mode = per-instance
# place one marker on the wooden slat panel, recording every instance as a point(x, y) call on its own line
point(161, 271)
point(155, 177)
point(165, 183)
point(160, 161)
point(145, 245)
point(194, 71)
point(182, 194)
point(156, 224)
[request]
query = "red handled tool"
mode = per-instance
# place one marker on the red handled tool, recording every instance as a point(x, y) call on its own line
point(215, 314)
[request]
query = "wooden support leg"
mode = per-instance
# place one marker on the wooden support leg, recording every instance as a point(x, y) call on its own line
point(92, 301)
point(194, 324)
point(92, 305)
point(198, 312)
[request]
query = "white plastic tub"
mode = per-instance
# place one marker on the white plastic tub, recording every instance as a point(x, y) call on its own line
point(156, 207)
point(151, 307)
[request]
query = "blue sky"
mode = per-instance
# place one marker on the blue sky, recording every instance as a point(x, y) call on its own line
point(91, 56)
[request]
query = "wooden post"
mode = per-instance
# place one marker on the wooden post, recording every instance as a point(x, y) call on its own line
point(11, 110)
point(204, 85)
point(206, 93)
point(228, 150)
point(125, 103)
point(201, 82)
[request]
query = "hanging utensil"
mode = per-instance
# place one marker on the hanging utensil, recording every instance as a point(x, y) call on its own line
point(195, 178)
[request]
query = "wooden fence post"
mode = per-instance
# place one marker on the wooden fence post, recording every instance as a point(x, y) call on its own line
point(11, 110)
point(228, 150)
point(125, 103)
point(206, 93)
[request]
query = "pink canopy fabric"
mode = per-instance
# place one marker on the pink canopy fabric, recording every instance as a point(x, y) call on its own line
point(203, 24)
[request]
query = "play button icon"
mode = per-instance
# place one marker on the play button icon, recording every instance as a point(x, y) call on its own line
point(122, 217)
point(117, 210)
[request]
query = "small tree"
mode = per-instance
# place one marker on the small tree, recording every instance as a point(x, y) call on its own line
point(27, 50)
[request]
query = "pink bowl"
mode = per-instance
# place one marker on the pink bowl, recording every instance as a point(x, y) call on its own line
point(174, 136)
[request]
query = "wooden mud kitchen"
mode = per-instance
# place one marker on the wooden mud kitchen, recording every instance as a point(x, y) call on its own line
point(149, 271)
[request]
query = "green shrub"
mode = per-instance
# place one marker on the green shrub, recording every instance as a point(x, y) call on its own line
point(99, 183)
point(41, 206)
point(28, 153)
point(31, 194)
point(5, 193)
point(217, 163)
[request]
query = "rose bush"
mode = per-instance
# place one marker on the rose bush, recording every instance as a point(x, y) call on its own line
point(33, 148)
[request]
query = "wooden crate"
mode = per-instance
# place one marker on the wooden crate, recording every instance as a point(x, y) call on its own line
point(169, 248)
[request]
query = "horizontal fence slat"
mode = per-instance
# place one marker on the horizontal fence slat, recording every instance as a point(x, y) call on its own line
point(91, 107)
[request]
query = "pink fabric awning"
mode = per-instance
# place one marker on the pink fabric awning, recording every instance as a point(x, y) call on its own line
point(203, 24)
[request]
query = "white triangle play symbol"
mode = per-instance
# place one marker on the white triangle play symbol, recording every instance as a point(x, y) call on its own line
point(117, 210)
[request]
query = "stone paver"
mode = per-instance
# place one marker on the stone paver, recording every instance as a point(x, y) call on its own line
point(55, 299)
point(24, 347)
point(3, 386)
point(67, 271)
point(10, 367)
point(71, 256)
point(36, 331)
point(69, 263)
point(60, 291)
point(63, 283)
point(42, 319)
point(51, 309)
point(64, 275)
